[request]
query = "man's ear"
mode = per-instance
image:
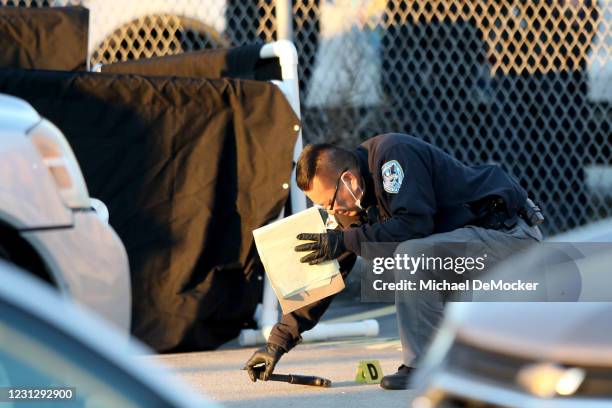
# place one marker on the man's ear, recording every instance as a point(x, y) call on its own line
point(354, 181)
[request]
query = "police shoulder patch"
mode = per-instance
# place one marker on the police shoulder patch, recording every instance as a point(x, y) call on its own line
point(392, 175)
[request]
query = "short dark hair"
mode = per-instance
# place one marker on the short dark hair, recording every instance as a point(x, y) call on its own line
point(322, 157)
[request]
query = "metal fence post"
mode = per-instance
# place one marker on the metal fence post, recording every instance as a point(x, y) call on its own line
point(284, 20)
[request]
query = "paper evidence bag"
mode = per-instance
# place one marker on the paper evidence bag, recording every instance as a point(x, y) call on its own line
point(295, 283)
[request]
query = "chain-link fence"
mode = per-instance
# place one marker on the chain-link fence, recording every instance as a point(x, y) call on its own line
point(525, 84)
point(520, 83)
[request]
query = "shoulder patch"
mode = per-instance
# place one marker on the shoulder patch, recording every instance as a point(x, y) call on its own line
point(392, 175)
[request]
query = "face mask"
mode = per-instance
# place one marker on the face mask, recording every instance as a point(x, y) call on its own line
point(357, 200)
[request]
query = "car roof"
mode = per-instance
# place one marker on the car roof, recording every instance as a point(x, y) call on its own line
point(16, 114)
point(37, 298)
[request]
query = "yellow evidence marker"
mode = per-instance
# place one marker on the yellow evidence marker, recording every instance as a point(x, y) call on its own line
point(369, 372)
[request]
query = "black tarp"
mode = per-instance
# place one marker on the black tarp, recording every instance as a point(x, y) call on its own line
point(44, 38)
point(188, 168)
point(239, 62)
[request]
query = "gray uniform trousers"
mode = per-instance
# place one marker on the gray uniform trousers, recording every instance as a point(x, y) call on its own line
point(419, 313)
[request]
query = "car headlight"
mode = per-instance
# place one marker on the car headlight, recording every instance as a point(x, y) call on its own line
point(59, 159)
point(548, 379)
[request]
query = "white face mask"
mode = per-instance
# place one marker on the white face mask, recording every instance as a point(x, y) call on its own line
point(357, 200)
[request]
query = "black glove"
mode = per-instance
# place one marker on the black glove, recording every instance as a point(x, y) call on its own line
point(326, 246)
point(267, 356)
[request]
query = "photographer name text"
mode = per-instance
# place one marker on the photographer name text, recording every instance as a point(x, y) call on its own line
point(440, 285)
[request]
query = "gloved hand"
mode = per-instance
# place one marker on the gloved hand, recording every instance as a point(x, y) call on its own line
point(326, 246)
point(268, 356)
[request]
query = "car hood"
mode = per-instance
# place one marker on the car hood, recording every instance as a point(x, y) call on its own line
point(572, 333)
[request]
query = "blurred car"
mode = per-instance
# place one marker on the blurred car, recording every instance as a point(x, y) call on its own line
point(48, 342)
point(48, 224)
point(528, 354)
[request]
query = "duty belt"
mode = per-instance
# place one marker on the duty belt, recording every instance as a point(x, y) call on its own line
point(495, 214)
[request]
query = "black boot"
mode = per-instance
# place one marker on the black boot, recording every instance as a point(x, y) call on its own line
point(399, 380)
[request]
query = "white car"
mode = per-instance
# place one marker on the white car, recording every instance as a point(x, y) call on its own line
point(48, 224)
point(54, 353)
point(529, 354)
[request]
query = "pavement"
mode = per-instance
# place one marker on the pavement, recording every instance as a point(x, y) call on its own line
point(218, 375)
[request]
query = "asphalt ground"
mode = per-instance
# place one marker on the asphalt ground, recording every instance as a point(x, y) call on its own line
point(218, 375)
